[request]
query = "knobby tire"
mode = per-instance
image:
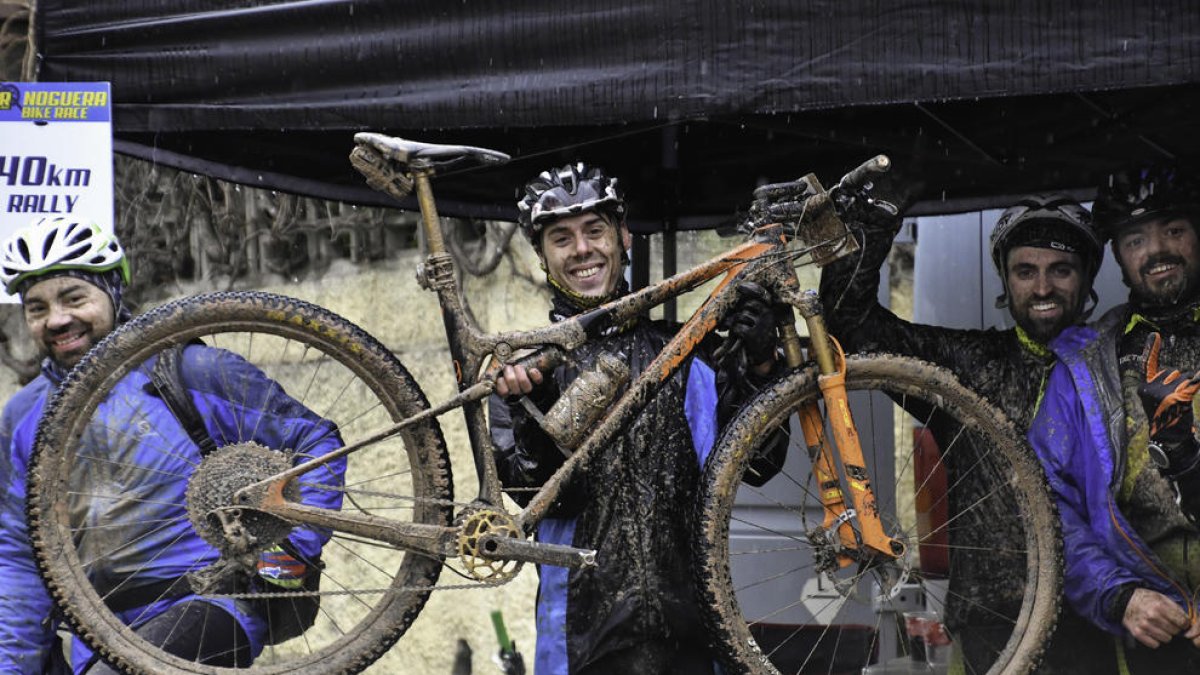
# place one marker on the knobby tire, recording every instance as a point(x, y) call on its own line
point(771, 612)
point(323, 362)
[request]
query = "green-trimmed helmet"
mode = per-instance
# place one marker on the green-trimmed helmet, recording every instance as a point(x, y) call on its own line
point(52, 244)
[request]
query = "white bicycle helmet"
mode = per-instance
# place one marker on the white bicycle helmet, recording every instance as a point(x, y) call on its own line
point(53, 244)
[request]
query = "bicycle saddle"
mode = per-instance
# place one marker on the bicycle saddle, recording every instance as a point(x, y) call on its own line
point(406, 152)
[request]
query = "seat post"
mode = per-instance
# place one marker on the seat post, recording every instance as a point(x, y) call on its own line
point(429, 214)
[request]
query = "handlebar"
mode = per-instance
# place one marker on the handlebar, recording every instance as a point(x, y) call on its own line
point(805, 200)
point(858, 177)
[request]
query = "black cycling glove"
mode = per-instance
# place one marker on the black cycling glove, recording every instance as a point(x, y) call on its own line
point(751, 323)
point(1167, 399)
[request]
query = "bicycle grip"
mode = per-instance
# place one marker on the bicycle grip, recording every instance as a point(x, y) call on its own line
point(789, 190)
point(858, 177)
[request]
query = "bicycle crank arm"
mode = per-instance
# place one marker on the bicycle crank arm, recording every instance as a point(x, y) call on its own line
point(526, 550)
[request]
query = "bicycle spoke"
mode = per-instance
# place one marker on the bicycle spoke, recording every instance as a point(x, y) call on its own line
point(944, 487)
point(121, 454)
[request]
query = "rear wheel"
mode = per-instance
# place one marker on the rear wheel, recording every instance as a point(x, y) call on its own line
point(954, 483)
point(128, 516)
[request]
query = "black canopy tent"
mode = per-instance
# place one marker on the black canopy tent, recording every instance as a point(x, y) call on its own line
point(693, 102)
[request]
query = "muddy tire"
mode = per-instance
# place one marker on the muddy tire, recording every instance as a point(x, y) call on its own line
point(966, 496)
point(95, 517)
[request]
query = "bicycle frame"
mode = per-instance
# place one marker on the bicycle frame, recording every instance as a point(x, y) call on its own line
point(765, 259)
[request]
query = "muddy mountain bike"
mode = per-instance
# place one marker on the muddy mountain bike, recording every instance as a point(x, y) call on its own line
point(803, 574)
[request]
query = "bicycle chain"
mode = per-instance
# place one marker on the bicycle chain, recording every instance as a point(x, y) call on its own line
point(371, 591)
point(393, 590)
point(377, 493)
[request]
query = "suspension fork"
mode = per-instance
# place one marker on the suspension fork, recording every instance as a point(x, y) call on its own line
point(862, 505)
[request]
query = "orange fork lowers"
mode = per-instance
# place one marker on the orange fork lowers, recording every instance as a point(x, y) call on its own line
point(832, 363)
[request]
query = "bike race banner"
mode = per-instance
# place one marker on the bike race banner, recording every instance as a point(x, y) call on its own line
point(55, 154)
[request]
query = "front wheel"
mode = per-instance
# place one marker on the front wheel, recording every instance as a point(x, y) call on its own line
point(138, 532)
point(954, 483)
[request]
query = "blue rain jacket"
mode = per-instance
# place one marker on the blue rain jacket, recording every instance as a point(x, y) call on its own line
point(141, 442)
point(1079, 436)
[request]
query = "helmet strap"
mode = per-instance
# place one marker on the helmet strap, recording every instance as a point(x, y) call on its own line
point(1086, 312)
point(585, 302)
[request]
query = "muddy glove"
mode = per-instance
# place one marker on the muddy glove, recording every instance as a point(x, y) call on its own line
point(277, 567)
point(1167, 400)
point(751, 325)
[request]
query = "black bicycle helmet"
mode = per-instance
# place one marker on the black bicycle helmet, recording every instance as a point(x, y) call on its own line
point(1147, 191)
point(575, 188)
point(1054, 221)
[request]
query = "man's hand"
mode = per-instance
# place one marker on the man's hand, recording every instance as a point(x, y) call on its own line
point(517, 381)
point(1154, 619)
point(1193, 634)
point(751, 323)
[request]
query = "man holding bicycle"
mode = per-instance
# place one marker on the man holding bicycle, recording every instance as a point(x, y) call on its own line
point(1047, 254)
point(71, 275)
point(1116, 430)
point(634, 612)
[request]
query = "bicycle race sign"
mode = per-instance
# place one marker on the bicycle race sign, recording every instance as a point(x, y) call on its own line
point(55, 154)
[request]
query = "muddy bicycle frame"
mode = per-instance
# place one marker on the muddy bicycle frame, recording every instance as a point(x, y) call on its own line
point(765, 259)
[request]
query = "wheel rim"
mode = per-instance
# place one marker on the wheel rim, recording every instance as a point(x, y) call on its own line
point(787, 615)
point(100, 527)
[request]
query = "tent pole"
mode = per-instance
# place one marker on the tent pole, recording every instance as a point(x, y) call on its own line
point(670, 222)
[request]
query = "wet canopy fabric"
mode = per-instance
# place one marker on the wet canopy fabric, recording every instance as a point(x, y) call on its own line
point(693, 101)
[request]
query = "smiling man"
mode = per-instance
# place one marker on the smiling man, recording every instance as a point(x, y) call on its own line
point(70, 275)
point(1116, 432)
point(582, 256)
point(70, 293)
point(1047, 254)
point(635, 612)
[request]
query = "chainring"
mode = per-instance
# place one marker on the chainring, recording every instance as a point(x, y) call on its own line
point(473, 525)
